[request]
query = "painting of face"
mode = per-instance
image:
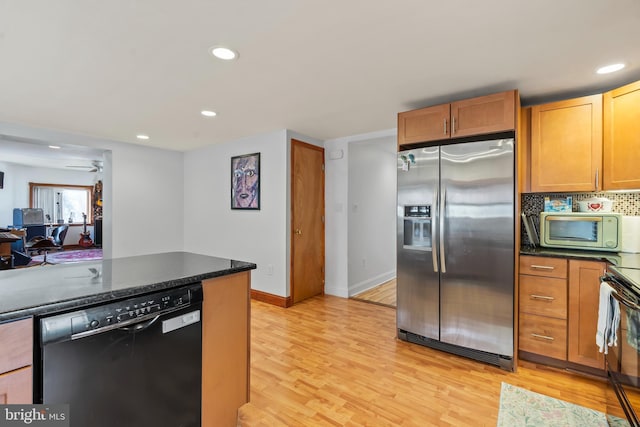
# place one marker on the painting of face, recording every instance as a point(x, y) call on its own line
point(245, 181)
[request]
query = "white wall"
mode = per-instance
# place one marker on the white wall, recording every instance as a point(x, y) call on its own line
point(257, 236)
point(372, 213)
point(7, 194)
point(337, 207)
point(143, 192)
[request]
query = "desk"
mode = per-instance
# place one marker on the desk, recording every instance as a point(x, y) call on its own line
point(6, 238)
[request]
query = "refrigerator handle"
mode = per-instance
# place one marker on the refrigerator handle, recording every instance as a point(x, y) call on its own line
point(443, 202)
point(434, 250)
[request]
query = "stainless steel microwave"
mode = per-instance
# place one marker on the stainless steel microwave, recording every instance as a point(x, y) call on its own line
point(574, 230)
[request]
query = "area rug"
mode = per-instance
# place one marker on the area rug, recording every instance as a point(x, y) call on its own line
point(63, 257)
point(524, 408)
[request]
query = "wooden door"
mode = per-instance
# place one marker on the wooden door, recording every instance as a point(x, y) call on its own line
point(425, 124)
point(584, 296)
point(307, 220)
point(484, 114)
point(566, 145)
point(622, 138)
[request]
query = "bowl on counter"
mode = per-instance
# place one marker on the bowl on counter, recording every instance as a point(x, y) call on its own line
point(595, 204)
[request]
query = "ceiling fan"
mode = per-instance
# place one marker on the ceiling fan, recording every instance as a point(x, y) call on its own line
point(96, 166)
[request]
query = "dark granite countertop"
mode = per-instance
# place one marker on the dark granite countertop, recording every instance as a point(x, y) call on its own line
point(620, 259)
point(52, 288)
point(626, 265)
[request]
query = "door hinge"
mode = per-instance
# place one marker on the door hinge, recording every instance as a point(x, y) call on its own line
point(323, 167)
point(323, 219)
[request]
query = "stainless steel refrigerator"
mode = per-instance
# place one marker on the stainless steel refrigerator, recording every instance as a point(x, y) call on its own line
point(456, 248)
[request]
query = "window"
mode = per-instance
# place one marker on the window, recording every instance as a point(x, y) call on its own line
point(62, 203)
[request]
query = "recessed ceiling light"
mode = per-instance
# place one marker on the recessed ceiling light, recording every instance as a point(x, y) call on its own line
point(208, 113)
point(142, 136)
point(225, 53)
point(610, 68)
point(55, 147)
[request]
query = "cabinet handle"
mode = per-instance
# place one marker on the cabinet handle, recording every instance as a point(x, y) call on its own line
point(597, 175)
point(453, 125)
point(543, 297)
point(445, 126)
point(544, 337)
point(542, 267)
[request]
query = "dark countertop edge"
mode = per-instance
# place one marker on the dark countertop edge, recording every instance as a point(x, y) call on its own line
point(611, 257)
point(89, 300)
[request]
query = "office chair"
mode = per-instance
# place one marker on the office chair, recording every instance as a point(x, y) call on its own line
point(58, 235)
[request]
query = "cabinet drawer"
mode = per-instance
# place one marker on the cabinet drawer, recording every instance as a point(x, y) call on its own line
point(546, 296)
point(543, 266)
point(16, 342)
point(545, 336)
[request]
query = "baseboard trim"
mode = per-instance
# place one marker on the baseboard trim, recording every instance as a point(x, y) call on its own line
point(370, 283)
point(272, 299)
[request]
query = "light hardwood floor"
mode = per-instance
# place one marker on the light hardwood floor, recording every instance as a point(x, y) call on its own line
point(331, 361)
point(384, 294)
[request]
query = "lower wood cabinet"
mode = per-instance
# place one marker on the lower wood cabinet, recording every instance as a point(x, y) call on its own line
point(543, 335)
point(558, 309)
point(16, 358)
point(16, 387)
point(225, 348)
point(584, 296)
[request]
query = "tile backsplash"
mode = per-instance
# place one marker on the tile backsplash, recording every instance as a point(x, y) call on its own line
point(533, 203)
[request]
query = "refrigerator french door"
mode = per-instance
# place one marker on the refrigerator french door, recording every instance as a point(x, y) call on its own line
point(455, 252)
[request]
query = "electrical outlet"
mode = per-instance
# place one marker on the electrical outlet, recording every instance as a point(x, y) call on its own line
point(270, 270)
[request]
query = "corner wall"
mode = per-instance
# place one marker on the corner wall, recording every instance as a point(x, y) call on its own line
point(338, 199)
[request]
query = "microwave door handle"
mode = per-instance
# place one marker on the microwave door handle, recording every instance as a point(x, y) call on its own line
point(443, 202)
point(434, 249)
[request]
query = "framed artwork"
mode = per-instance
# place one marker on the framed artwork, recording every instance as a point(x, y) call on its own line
point(245, 181)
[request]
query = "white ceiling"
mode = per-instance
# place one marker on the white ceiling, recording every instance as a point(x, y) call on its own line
point(326, 69)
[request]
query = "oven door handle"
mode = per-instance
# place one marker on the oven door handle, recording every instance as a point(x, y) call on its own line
point(625, 302)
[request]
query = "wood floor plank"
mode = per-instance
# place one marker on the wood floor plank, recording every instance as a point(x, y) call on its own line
point(331, 361)
point(384, 294)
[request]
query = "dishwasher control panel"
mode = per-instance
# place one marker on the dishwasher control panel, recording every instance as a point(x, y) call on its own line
point(118, 314)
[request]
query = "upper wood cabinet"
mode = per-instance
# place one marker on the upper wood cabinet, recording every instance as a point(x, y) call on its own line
point(622, 138)
point(475, 116)
point(566, 145)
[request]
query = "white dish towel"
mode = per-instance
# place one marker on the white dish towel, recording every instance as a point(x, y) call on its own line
point(608, 319)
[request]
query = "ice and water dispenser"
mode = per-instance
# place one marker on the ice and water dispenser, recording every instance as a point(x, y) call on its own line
point(417, 227)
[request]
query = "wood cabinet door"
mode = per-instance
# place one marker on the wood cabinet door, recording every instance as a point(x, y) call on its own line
point(584, 295)
point(485, 114)
point(16, 342)
point(16, 387)
point(226, 341)
point(622, 138)
point(566, 145)
point(425, 124)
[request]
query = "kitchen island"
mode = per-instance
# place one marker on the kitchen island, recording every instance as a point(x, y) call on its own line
point(28, 294)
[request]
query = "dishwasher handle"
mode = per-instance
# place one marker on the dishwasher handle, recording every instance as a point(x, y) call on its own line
point(133, 325)
point(138, 327)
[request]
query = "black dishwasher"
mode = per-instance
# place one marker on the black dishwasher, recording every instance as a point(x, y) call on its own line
point(133, 362)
